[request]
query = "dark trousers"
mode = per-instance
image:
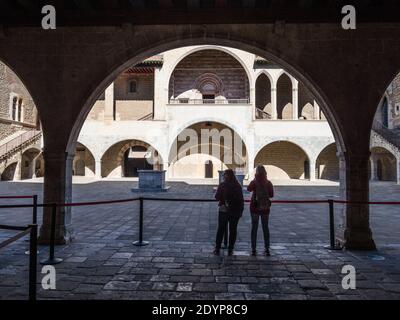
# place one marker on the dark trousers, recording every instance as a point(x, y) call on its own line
point(254, 227)
point(225, 220)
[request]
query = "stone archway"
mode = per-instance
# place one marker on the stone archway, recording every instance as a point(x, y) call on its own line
point(113, 159)
point(206, 142)
point(284, 160)
point(338, 101)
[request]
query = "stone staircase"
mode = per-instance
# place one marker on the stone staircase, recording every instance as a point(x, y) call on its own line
point(9, 147)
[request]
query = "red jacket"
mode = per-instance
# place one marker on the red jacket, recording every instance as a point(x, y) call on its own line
point(252, 188)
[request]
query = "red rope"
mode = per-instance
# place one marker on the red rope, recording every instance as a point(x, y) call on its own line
point(16, 197)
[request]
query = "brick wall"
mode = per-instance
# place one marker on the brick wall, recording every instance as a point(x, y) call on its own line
point(224, 66)
point(283, 160)
point(9, 83)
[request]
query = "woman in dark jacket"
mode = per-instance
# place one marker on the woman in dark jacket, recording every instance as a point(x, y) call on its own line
point(231, 204)
point(260, 208)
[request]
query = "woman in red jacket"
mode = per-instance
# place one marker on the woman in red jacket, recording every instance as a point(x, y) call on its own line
point(260, 205)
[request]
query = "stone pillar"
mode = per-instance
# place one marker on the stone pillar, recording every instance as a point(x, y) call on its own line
point(166, 168)
point(18, 170)
point(374, 168)
point(109, 104)
point(274, 104)
point(354, 232)
point(250, 168)
point(312, 169)
point(398, 168)
point(98, 169)
point(295, 100)
point(57, 189)
point(161, 93)
point(316, 111)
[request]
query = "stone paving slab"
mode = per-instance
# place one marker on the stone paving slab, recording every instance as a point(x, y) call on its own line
point(102, 263)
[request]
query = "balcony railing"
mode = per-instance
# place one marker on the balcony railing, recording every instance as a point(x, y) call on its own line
point(18, 142)
point(262, 115)
point(209, 101)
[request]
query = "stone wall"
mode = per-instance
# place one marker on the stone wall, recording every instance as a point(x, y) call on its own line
point(9, 85)
point(225, 68)
point(283, 160)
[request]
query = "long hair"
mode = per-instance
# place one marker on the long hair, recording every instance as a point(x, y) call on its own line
point(230, 176)
point(261, 172)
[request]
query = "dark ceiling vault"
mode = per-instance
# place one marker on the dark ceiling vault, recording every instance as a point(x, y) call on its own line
point(116, 12)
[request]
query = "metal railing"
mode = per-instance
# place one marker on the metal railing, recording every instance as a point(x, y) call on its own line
point(18, 142)
point(209, 101)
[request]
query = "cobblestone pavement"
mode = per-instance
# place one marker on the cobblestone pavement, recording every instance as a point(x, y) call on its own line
point(102, 263)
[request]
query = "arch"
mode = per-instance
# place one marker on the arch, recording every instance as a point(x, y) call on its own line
point(10, 172)
point(19, 94)
point(284, 89)
point(113, 158)
point(28, 163)
point(306, 102)
point(197, 76)
point(84, 162)
point(263, 95)
point(225, 49)
point(384, 163)
point(205, 40)
point(328, 163)
point(283, 160)
point(188, 157)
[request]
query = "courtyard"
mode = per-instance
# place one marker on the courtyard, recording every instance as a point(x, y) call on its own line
point(102, 263)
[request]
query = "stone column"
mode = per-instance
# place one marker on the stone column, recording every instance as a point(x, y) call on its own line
point(250, 168)
point(57, 189)
point(398, 168)
point(98, 169)
point(312, 169)
point(316, 111)
point(274, 104)
point(374, 168)
point(295, 100)
point(109, 104)
point(18, 170)
point(354, 232)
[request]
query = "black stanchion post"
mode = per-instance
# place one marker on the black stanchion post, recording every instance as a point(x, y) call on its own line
point(141, 243)
point(34, 208)
point(34, 214)
point(332, 245)
point(52, 260)
point(32, 262)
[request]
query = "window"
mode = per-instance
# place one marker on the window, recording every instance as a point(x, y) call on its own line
point(133, 86)
point(14, 109)
point(17, 109)
point(19, 118)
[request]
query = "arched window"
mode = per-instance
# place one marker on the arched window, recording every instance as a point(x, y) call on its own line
point(19, 110)
point(14, 109)
point(133, 86)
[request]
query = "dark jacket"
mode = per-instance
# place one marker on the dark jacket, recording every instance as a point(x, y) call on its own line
point(265, 183)
point(232, 194)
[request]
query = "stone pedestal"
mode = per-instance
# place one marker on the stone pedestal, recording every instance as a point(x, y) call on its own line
point(151, 181)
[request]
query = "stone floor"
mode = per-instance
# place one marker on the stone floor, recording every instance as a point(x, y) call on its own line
point(101, 262)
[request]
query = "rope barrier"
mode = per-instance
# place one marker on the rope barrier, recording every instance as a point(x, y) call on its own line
point(15, 238)
point(16, 197)
point(32, 231)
